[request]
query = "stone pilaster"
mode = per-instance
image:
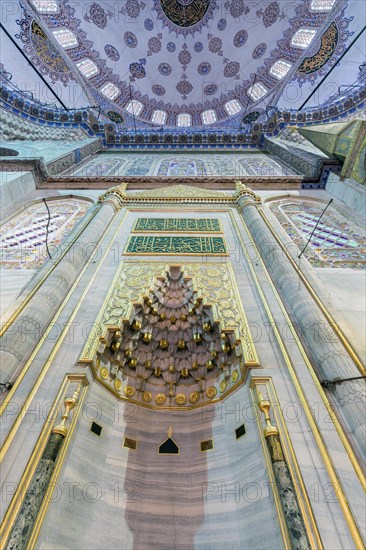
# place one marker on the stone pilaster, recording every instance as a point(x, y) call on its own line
point(330, 358)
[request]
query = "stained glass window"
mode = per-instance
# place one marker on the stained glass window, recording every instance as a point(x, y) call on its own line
point(65, 38)
point(209, 116)
point(233, 107)
point(184, 119)
point(159, 117)
point(257, 91)
point(322, 5)
point(110, 91)
point(280, 69)
point(336, 242)
point(87, 67)
point(303, 37)
point(23, 238)
point(45, 6)
point(134, 107)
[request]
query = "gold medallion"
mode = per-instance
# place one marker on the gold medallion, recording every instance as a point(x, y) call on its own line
point(235, 375)
point(117, 384)
point(223, 386)
point(211, 392)
point(147, 396)
point(129, 391)
point(104, 373)
point(160, 398)
point(181, 399)
point(194, 397)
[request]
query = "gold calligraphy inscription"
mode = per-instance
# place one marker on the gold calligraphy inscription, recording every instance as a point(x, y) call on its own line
point(188, 225)
point(213, 246)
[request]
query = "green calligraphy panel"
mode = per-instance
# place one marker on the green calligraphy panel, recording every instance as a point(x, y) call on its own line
point(189, 225)
point(176, 245)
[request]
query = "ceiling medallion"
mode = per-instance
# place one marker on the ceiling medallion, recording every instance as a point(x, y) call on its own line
point(185, 16)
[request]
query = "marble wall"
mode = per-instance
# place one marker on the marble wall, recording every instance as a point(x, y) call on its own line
point(108, 496)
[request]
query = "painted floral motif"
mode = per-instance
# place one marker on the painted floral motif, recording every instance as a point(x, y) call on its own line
point(154, 44)
point(240, 38)
point(132, 8)
point(130, 39)
point(204, 68)
point(158, 90)
point(148, 24)
point(137, 69)
point(259, 50)
point(215, 44)
point(111, 52)
point(184, 57)
point(270, 14)
point(198, 47)
point(97, 15)
point(184, 87)
point(171, 47)
point(210, 89)
point(231, 69)
point(165, 69)
point(221, 25)
point(237, 8)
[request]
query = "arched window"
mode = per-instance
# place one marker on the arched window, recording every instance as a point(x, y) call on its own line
point(45, 6)
point(233, 107)
point(209, 116)
point(110, 91)
point(65, 38)
point(23, 237)
point(184, 119)
point(257, 91)
point(87, 67)
point(335, 241)
point(280, 69)
point(134, 107)
point(158, 117)
point(302, 38)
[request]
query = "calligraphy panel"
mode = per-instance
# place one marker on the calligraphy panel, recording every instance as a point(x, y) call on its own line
point(189, 225)
point(212, 246)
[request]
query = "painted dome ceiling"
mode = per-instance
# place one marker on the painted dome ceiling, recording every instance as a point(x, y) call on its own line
point(184, 62)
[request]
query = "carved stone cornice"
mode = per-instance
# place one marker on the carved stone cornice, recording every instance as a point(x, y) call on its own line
point(116, 196)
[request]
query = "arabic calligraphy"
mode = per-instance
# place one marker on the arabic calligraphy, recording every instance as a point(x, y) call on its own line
point(176, 245)
point(205, 225)
point(185, 13)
